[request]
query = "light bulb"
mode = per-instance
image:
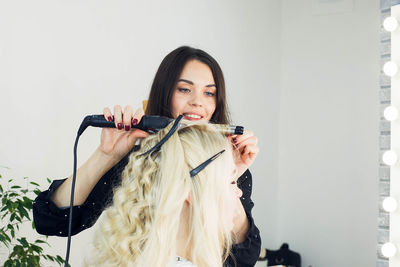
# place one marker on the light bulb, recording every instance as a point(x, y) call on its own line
point(391, 113)
point(389, 157)
point(388, 249)
point(390, 68)
point(389, 204)
point(390, 24)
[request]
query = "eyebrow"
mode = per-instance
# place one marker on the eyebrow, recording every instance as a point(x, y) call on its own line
point(191, 83)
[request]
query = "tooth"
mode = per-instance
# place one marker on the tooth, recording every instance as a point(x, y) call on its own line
point(193, 116)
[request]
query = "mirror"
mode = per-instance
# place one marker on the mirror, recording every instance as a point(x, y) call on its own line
point(388, 230)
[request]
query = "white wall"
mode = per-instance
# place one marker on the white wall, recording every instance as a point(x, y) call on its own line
point(306, 85)
point(62, 60)
point(328, 135)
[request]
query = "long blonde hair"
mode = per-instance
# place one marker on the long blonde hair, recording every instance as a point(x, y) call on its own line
point(140, 227)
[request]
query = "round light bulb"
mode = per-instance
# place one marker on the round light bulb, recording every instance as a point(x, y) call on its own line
point(389, 204)
point(389, 157)
point(390, 68)
point(388, 249)
point(390, 24)
point(391, 113)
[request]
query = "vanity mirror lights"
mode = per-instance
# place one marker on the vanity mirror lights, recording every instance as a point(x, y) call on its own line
point(389, 211)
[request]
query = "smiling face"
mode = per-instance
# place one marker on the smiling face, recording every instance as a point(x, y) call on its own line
point(194, 95)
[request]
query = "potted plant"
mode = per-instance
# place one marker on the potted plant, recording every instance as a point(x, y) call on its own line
point(16, 207)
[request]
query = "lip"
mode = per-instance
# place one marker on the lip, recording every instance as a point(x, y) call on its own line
point(190, 118)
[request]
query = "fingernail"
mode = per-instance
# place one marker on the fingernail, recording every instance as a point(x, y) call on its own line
point(234, 140)
point(119, 126)
point(109, 118)
point(242, 152)
point(134, 122)
point(127, 128)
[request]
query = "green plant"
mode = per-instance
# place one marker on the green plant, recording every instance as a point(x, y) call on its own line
point(16, 206)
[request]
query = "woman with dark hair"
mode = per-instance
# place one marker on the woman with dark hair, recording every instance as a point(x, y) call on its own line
point(188, 82)
point(165, 82)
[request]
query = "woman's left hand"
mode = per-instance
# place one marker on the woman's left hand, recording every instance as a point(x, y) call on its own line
point(245, 150)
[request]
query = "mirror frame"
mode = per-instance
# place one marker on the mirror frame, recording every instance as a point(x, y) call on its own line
point(384, 133)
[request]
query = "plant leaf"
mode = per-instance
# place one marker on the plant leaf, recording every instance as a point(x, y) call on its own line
point(18, 250)
point(27, 203)
point(8, 263)
point(23, 211)
point(10, 226)
point(34, 183)
point(4, 208)
point(14, 205)
point(7, 237)
point(3, 238)
point(15, 187)
point(12, 217)
point(36, 248)
point(18, 219)
point(23, 242)
point(36, 191)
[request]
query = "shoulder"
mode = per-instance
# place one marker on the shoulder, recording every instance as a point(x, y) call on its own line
point(245, 177)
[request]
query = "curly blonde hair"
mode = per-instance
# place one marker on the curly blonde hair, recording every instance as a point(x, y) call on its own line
point(140, 227)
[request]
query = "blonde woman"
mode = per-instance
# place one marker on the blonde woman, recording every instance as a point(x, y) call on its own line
point(175, 205)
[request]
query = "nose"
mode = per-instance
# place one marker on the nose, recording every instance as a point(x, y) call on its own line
point(239, 192)
point(196, 99)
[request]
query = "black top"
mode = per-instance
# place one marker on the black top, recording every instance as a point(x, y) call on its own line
point(51, 220)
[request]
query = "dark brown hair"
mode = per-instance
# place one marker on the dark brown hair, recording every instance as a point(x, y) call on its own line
point(162, 89)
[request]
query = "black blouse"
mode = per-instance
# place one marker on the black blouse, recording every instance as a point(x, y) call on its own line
point(51, 220)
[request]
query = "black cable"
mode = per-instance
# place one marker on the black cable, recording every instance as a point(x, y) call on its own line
point(166, 137)
point(85, 123)
point(71, 204)
point(150, 124)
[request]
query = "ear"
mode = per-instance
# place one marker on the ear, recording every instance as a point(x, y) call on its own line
point(188, 199)
point(144, 104)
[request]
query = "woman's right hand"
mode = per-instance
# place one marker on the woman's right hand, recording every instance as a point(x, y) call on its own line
point(117, 142)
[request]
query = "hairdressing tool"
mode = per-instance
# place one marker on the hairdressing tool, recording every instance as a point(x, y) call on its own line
point(199, 168)
point(173, 129)
point(153, 124)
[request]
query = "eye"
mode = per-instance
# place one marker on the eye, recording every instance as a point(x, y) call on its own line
point(233, 182)
point(209, 94)
point(183, 90)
